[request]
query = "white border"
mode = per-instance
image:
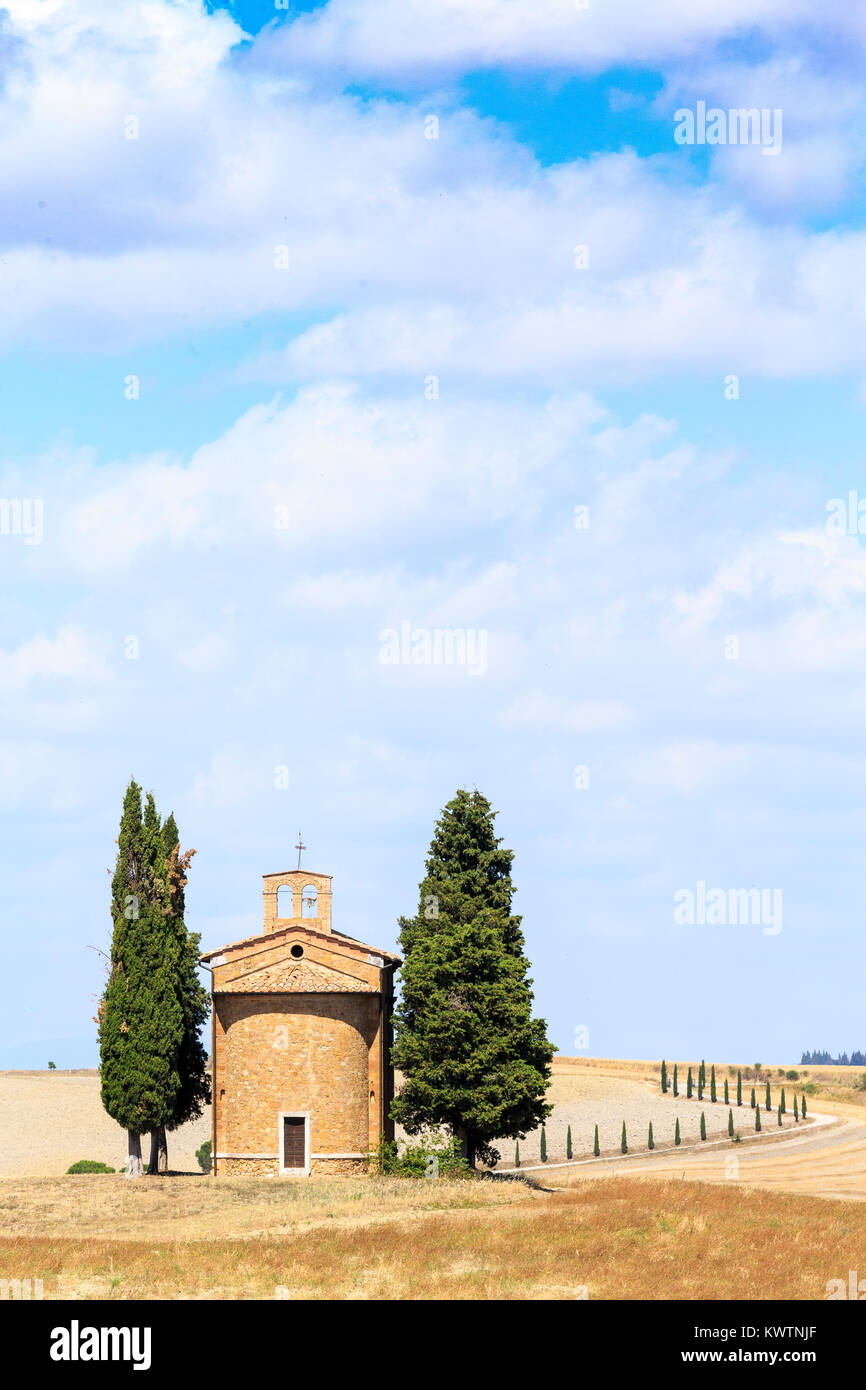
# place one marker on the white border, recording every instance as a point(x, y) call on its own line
point(294, 1115)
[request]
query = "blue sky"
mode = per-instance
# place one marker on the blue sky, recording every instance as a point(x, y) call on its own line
point(285, 373)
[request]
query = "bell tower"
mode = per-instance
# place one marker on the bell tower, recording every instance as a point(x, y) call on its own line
point(297, 897)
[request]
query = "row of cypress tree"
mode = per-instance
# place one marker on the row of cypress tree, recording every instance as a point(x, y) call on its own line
point(702, 1076)
point(153, 1066)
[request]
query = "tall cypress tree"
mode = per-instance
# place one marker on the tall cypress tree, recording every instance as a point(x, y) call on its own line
point(595, 1148)
point(676, 1087)
point(727, 1093)
point(664, 1077)
point(689, 1085)
point(754, 1100)
point(623, 1143)
point(568, 1152)
point(703, 1125)
point(543, 1145)
point(768, 1101)
point(796, 1112)
point(677, 1131)
point(140, 1018)
point(758, 1118)
point(650, 1143)
point(782, 1102)
point(472, 1055)
point(731, 1123)
point(517, 1154)
point(803, 1104)
point(182, 949)
point(739, 1088)
point(713, 1084)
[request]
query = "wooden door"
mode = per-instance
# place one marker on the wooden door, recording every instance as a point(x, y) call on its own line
point(294, 1141)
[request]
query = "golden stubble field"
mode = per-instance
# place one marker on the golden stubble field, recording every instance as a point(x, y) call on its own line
point(669, 1225)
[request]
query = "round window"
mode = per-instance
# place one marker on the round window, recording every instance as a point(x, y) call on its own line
point(297, 952)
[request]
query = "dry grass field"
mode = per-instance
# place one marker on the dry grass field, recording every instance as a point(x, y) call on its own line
point(671, 1224)
point(615, 1238)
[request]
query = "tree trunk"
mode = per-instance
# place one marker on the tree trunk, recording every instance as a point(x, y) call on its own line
point(133, 1162)
point(467, 1147)
point(158, 1151)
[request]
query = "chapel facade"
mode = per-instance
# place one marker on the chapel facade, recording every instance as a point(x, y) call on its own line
point(302, 1079)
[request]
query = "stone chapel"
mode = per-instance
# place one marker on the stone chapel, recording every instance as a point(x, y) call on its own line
point(302, 1077)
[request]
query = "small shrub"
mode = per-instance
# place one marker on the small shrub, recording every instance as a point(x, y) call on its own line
point(203, 1156)
point(89, 1165)
point(792, 1075)
point(433, 1155)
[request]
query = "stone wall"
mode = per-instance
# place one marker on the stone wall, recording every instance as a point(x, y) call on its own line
point(296, 1052)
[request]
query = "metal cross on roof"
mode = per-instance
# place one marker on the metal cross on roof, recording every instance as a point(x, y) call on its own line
point(299, 847)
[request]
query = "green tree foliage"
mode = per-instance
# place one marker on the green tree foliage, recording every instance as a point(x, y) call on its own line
point(183, 948)
point(713, 1085)
point(796, 1111)
point(472, 1055)
point(727, 1094)
point(517, 1154)
point(731, 1123)
point(739, 1088)
point(782, 1105)
point(204, 1157)
point(543, 1148)
point(768, 1102)
point(703, 1125)
point(89, 1165)
point(650, 1144)
point(803, 1105)
point(754, 1100)
point(664, 1077)
point(758, 1118)
point(689, 1085)
point(595, 1148)
point(677, 1132)
point(676, 1086)
point(623, 1143)
point(568, 1152)
point(140, 1018)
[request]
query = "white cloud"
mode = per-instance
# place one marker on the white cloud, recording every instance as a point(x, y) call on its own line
point(539, 712)
point(378, 38)
point(74, 656)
